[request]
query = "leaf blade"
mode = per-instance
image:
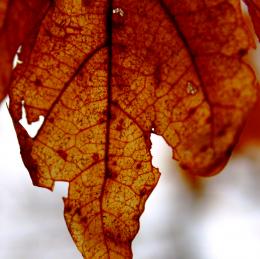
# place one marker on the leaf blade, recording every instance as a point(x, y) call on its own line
point(105, 79)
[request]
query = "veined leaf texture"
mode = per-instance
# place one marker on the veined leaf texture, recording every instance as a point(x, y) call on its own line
point(105, 74)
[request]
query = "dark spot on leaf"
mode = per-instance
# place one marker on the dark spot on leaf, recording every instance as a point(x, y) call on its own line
point(119, 127)
point(38, 82)
point(114, 102)
point(242, 52)
point(191, 112)
point(84, 220)
point(222, 132)
point(101, 120)
point(157, 75)
point(63, 154)
point(95, 157)
point(78, 211)
point(143, 192)
point(114, 163)
point(68, 209)
point(138, 166)
point(110, 174)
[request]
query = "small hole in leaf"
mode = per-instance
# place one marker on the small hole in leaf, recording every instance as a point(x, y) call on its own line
point(118, 11)
point(16, 60)
point(191, 89)
point(61, 188)
point(33, 128)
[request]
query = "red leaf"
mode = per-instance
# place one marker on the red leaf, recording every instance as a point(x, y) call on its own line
point(19, 24)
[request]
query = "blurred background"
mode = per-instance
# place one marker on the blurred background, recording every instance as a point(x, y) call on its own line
point(185, 218)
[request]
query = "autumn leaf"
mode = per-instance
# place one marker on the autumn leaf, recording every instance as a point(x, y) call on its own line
point(19, 22)
point(105, 75)
point(250, 134)
point(254, 11)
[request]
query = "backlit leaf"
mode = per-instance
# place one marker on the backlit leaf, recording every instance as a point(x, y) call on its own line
point(105, 74)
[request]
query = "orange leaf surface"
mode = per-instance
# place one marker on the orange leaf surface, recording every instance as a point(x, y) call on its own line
point(3, 7)
point(105, 74)
point(254, 11)
point(19, 23)
point(250, 134)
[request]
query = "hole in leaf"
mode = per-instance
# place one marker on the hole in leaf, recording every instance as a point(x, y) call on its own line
point(33, 128)
point(61, 188)
point(118, 11)
point(161, 152)
point(191, 89)
point(16, 60)
point(156, 208)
